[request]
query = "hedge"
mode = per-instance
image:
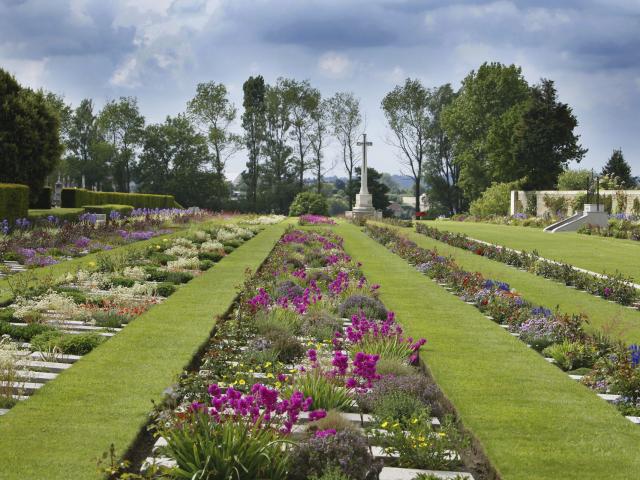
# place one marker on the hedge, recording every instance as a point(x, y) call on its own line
point(78, 197)
point(14, 201)
point(62, 214)
point(44, 199)
point(107, 208)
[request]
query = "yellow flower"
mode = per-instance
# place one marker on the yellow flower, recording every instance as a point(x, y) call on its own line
point(384, 424)
point(278, 384)
point(293, 370)
point(423, 444)
point(414, 421)
point(241, 381)
point(269, 375)
point(442, 434)
point(157, 247)
point(268, 364)
point(165, 240)
point(92, 264)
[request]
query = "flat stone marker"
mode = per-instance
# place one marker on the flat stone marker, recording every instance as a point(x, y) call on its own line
point(3, 411)
point(393, 473)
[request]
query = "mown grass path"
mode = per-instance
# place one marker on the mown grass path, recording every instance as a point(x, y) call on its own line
point(533, 421)
point(617, 320)
point(598, 254)
point(105, 398)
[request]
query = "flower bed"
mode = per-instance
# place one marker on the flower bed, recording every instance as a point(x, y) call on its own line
point(52, 240)
point(56, 320)
point(615, 288)
point(604, 364)
point(315, 220)
point(290, 389)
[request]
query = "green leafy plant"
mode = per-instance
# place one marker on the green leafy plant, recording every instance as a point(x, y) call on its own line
point(571, 355)
point(325, 393)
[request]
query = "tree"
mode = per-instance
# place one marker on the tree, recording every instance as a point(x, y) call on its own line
point(309, 203)
point(410, 119)
point(377, 188)
point(344, 111)
point(485, 106)
point(278, 179)
point(442, 172)
point(173, 160)
point(574, 180)
point(617, 167)
point(30, 145)
point(212, 110)
point(254, 124)
point(543, 141)
point(122, 125)
point(302, 101)
point(318, 138)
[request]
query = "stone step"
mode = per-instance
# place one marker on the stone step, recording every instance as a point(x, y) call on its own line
point(394, 473)
point(62, 358)
point(53, 367)
point(633, 419)
point(24, 388)
point(160, 461)
point(3, 411)
point(576, 377)
point(75, 327)
point(36, 377)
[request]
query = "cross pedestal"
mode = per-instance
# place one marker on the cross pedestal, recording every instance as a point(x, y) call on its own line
point(364, 200)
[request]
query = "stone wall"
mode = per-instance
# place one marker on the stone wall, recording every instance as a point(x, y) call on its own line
point(520, 200)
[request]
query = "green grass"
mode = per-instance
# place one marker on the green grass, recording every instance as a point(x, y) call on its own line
point(106, 397)
point(619, 321)
point(531, 419)
point(599, 254)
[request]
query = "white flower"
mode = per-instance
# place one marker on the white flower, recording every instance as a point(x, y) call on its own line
point(183, 263)
point(211, 246)
point(135, 273)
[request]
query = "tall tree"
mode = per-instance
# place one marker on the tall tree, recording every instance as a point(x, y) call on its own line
point(486, 100)
point(541, 142)
point(407, 111)
point(123, 126)
point(302, 101)
point(346, 121)
point(442, 172)
point(30, 145)
point(618, 168)
point(254, 124)
point(278, 168)
point(212, 110)
point(318, 138)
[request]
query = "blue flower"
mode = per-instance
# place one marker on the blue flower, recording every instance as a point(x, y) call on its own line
point(635, 354)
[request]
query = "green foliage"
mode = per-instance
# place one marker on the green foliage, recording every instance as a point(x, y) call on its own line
point(165, 289)
point(571, 355)
point(574, 180)
point(618, 168)
point(68, 214)
point(556, 205)
point(206, 449)
point(635, 209)
point(124, 210)
point(14, 201)
point(78, 197)
point(44, 199)
point(494, 200)
point(326, 394)
point(398, 405)
point(30, 145)
point(23, 333)
point(73, 344)
point(309, 203)
point(333, 473)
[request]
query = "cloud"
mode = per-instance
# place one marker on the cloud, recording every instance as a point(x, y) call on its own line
point(334, 65)
point(28, 72)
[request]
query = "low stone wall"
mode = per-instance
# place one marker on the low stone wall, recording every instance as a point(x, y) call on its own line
point(521, 201)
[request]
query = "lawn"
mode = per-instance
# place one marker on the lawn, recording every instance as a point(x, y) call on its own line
point(620, 321)
point(599, 254)
point(531, 419)
point(105, 398)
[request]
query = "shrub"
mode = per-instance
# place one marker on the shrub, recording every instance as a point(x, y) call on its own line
point(333, 420)
point(26, 333)
point(309, 202)
point(345, 450)
point(571, 355)
point(107, 208)
point(331, 474)
point(398, 405)
point(371, 307)
point(416, 384)
point(165, 289)
point(556, 205)
point(206, 265)
point(210, 256)
point(14, 201)
point(320, 325)
point(394, 367)
point(288, 347)
point(44, 199)
point(72, 344)
point(494, 200)
point(79, 197)
point(326, 394)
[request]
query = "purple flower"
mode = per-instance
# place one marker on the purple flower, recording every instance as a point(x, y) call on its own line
point(326, 433)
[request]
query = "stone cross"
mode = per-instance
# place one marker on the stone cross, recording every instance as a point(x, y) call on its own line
point(363, 177)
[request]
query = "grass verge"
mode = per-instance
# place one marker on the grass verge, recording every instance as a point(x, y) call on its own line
point(532, 420)
point(617, 320)
point(105, 398)
point(598, 254)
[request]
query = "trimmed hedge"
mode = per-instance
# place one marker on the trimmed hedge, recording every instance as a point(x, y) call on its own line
point(44, 199)
point(78, 197)
point(62, 214)
point(107, 208)
point(14, 201)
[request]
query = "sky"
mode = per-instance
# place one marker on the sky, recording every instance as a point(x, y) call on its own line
point(159, 50)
